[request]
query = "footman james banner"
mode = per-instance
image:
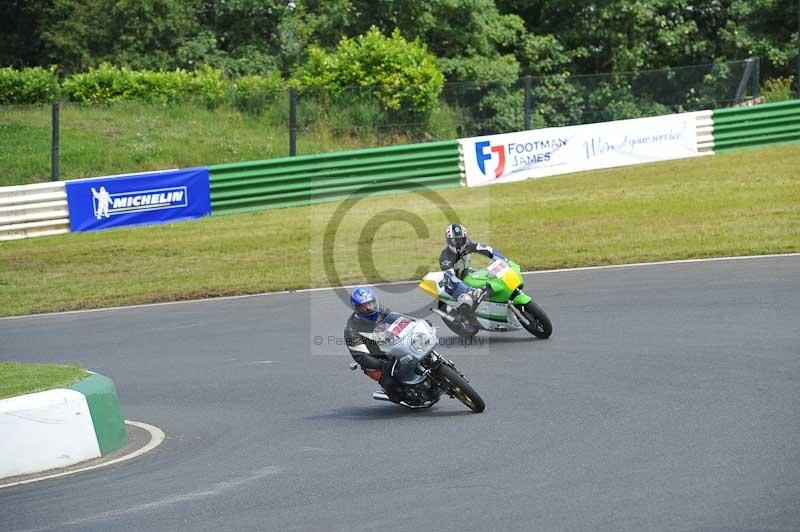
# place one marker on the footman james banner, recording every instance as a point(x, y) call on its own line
point(559, 150)
point(138, 199)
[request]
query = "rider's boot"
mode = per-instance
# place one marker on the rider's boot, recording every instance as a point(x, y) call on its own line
point(380, 395)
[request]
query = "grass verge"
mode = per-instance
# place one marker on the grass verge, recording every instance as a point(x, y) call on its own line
point(135, 137)
point(741, 203)
point(19, 379)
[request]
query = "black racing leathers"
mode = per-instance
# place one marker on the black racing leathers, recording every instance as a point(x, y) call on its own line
point(455, 265)
point(368, 354)
point(363, 350)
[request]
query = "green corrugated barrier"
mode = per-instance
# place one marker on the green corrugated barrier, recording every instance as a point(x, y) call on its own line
point(307, 179)
point(769, 123)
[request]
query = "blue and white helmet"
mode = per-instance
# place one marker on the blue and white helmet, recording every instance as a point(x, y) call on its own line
point(456, 236)
point(365, 302)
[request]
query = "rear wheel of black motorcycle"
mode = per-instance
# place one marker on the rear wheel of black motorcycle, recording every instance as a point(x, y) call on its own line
point(458, 328)
point(539, 325)
point(462, 390)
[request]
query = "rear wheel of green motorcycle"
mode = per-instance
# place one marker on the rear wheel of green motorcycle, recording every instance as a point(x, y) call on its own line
point(461, 388)
point(539, 325)
point(457, 328)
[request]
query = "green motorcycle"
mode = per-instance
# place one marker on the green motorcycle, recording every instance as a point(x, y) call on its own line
point(504, 306)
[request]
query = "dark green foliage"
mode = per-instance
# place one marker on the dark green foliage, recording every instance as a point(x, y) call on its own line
point(486, 43)
point(255, 36)
point(615, 100)
point(401, 75)
point(78, 34)
point(487, 93)
point(766, 29)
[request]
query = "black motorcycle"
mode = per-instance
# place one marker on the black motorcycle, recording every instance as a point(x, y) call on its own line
point(425, 374)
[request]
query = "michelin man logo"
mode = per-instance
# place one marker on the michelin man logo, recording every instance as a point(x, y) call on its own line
point(102, 204)
point(106, 204)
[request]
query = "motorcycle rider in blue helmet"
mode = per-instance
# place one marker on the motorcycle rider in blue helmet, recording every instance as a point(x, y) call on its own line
point(375, 364)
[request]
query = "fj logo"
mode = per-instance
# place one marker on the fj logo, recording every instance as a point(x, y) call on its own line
point(482, 156)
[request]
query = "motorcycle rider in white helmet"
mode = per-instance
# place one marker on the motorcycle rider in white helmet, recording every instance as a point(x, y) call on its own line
point(454, 262)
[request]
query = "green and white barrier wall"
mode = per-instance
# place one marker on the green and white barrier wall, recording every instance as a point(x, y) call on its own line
point(44, 209)
point(308, 179)
point(759, 125)
point(61, 427)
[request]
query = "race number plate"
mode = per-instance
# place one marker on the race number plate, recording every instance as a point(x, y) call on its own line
point(501, 270)
point(399, 326)
point(498, 268)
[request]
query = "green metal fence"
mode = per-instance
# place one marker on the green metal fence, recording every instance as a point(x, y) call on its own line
point(769, 123)
point(307, 179)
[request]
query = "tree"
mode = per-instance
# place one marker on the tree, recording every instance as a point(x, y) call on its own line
point(74, 33)
point(402, 74)
point(148, 33)
point(134, 33)
point(20, 33)
point(248, 30)
point(764, 28)
point(619, 35)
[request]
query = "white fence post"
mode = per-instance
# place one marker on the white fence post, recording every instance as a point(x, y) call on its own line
point(705, 132)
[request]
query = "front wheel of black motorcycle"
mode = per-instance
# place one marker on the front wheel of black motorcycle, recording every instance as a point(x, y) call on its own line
point(461, 389)
point(539, 324)
point(459, 327)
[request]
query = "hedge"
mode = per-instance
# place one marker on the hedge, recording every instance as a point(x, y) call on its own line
point(108, 84)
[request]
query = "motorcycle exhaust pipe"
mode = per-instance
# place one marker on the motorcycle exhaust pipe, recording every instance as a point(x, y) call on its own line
point(381, 396)
point(444, 315)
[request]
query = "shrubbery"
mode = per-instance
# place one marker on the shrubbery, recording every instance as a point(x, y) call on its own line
point(402, 75)
point(778, 89)
point(390, 85)
point(109, 84)
point(252, 94)
point(28, 86)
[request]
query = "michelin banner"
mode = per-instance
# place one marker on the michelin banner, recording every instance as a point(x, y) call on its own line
point(138, 199)
point(560, 150)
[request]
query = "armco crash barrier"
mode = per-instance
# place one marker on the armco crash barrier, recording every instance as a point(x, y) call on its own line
point(39, 209)
point(60, 427)
point(308, 179)
point(44, 209)
point(768, 123)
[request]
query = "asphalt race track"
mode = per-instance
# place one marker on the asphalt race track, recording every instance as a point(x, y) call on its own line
point(668, 399)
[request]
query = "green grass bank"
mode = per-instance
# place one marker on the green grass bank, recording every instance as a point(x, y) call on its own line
point(132, 137)
point(19, 379)
point(740, 203)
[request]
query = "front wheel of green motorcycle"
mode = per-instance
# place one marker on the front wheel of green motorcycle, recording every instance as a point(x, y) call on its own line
point(461, 389)
point(538, 323)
